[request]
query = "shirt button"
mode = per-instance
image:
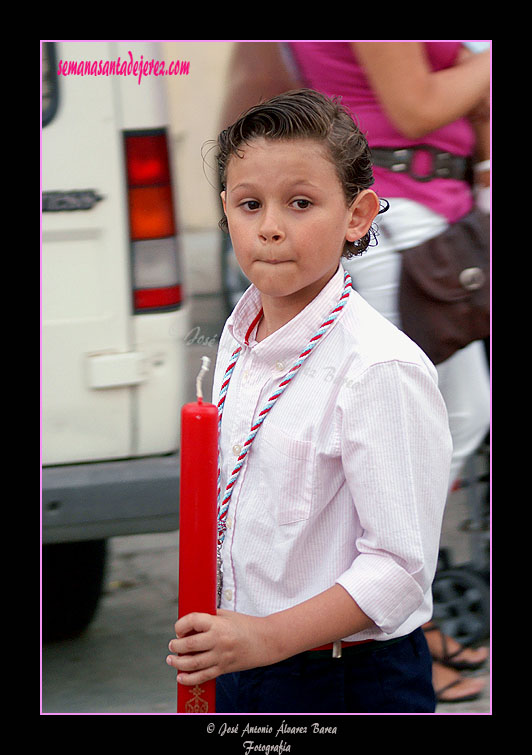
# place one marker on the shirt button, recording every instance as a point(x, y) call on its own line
point(279, 366)
point(229, 522)
point(228, 594)
point(237, 449)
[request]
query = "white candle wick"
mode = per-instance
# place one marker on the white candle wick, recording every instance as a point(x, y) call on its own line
point(205, 363)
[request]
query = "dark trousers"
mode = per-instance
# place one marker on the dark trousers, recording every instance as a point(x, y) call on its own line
point(380, 677)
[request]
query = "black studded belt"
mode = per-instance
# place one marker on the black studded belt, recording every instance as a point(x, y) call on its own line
point(442, 164)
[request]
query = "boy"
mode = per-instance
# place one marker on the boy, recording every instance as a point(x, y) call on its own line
point(334, 442)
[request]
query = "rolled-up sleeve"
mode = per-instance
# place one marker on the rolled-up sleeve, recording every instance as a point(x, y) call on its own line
point(396, 451)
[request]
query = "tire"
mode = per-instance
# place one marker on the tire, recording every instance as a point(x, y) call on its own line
point(461, 605)
point(72, 581)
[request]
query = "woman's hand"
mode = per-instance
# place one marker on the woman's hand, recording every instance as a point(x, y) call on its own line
point(207, 646)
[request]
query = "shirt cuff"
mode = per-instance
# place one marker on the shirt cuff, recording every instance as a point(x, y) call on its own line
point(383, 590)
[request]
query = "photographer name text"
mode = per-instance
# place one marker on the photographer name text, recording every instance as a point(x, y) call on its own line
point(250, 746)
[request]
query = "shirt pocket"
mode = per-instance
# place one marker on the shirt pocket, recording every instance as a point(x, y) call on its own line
point(287, 474)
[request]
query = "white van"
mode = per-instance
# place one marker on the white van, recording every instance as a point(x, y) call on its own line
point(114, 316)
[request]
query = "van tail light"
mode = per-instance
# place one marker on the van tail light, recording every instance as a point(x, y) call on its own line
point(152, 225)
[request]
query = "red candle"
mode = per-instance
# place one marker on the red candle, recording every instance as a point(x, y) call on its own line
point(198, 529)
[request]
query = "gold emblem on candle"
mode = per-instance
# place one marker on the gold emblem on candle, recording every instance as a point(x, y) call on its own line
point(196, 704)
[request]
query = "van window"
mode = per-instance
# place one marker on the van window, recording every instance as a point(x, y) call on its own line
point(50, 83)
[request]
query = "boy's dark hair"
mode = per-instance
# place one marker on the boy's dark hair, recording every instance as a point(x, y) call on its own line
point(306, 113)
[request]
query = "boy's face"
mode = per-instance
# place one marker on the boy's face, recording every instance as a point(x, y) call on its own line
point(288, 218)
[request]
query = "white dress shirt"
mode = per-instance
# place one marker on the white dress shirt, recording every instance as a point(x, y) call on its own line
point(347, 477)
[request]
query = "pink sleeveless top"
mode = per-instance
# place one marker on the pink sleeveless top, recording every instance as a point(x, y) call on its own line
point(332, 68)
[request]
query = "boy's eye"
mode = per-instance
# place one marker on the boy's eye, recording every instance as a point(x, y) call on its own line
point(251, 204)
point(302, 204)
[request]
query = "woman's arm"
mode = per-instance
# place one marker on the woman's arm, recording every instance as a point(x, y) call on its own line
point(256, 71)
point(416, 99)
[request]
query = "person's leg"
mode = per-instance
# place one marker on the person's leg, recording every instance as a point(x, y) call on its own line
point(465, 386)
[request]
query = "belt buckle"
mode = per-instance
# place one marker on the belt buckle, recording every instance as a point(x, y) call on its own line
point(337, 649)
point(436, 170)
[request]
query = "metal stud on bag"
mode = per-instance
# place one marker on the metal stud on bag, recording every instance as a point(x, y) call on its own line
point(472, 278)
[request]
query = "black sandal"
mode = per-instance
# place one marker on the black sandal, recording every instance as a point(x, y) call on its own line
point(463, 699)
point(448, 658)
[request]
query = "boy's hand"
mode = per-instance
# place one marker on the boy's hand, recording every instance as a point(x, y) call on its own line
point(207, 646)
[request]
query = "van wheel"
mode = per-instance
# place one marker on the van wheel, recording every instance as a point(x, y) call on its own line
point(72, 580)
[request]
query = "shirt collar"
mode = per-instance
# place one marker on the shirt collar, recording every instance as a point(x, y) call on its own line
point(290, 340)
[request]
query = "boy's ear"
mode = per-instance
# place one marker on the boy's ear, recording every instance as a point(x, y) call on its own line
point(222, 195)
point(364, 210)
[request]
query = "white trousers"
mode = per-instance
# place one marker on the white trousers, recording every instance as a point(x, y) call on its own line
point(464, 377)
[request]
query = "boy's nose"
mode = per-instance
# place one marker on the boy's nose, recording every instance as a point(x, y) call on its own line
point(270, 229)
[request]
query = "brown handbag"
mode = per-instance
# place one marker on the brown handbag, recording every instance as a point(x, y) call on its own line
point(444, 290)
